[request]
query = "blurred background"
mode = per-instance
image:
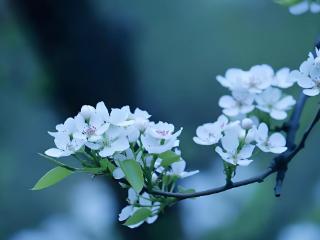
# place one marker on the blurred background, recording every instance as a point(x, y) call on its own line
point(162, 56)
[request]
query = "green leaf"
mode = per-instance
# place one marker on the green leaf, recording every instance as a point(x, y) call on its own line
point(52, 177)
point(92, 170)
point(166, 180)
point(287, 2)
point(106, 164)
point(58, 163)
point(168, 158)
point(133, 172)
point(139, 216)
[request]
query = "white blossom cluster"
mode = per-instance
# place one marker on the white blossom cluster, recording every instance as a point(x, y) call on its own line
point(143, 156)
point(305, 6)
point(241, 128)
point(96, 135)
point(308, 75)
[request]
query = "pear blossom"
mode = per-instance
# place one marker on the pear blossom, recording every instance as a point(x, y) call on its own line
point(241, 102)
point(211, 133)
point(258, 78)
point(282, 79)
point(245, 135)
point(275, 143)
point(304, 6)
point(233, 152)
point(272, 102)
point(121, 117)
point(141, 119)
point(112, 141)
point(178, 169)
point(233, 79)
point(145, 202)
point(308, 76)
point(67, 127)
point(64, 140)
point(160, 137)
point(91, 123)
point(65, 145)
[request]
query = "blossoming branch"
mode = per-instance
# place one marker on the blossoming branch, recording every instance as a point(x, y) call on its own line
point(144, 156)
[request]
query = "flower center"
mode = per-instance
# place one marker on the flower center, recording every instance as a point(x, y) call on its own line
point(163, 132)
point(89, 131)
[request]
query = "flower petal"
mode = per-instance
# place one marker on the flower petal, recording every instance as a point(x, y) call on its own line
point(311, 92)
point(299, 8)
point(246, 151)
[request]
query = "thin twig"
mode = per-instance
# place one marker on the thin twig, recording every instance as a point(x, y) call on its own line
point(181, 196)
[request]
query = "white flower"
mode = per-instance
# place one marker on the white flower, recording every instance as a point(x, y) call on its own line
point(141, 119)
point(282, 79)
point(245, 135)
point(112, 141)
point(160, 137)
point(304, 6)
point(255, 80)
point(67, 127)
point(145, 202)
point(178, 169)
point(241, 102)
point(120, 117)
point(272, 102)
point(64, 140)
point(233, 79)
point(275, 143)
point(91, 123)
point(66, 145)
point(211, 133)
point(231, 153)
point(308, 76)
point(258, 78)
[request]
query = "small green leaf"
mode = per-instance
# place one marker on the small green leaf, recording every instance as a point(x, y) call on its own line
point(52, 177)
point(106, 164)
point(287, 2)
point(139, 216)
point(166, 180)
point(133, 172)
point(168, 158)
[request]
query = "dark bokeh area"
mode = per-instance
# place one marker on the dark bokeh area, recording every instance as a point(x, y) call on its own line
point(162, 56)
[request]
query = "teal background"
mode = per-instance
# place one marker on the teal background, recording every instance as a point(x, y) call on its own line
point(178, 48)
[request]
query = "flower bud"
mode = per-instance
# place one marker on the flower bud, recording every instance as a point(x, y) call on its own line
point(246, 123)
point(86, 111)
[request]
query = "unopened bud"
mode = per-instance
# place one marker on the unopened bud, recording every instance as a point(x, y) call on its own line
point(86, 111)
point(246, 123)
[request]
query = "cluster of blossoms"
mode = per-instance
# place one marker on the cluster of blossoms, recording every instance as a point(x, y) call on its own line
point(139, 154)
point(256, 98)
point(308, 75)
point(300, 7)
point(143, 156)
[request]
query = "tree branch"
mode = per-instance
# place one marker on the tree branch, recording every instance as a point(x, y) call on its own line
point(291, 131)
point(181, 196)
point(278, 165)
